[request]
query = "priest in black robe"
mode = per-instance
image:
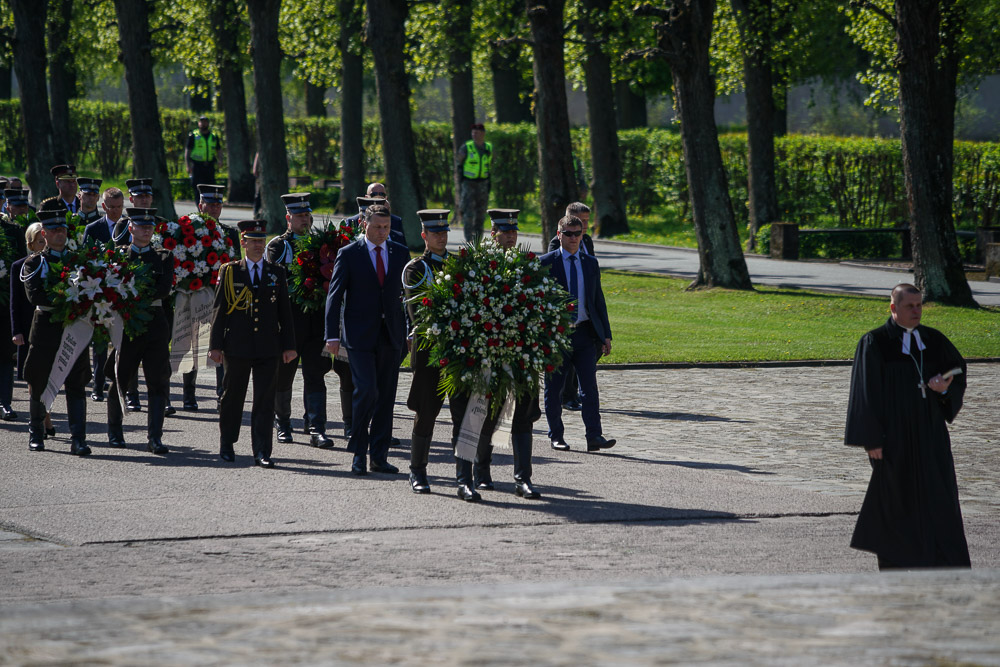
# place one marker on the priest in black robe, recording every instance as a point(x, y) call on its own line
point(902, 397)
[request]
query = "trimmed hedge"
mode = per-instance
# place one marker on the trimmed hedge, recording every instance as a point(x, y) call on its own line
point(822, 181)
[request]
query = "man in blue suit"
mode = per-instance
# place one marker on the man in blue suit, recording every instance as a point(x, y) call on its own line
point(580, 275)
point(367, 284)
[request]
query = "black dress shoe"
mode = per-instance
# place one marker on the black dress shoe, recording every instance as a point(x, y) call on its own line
point(169, 411)
point(419, 483)
point(97, 396)
point(157, 447)
point(227, 455)
point(600, 442)
point(191, 406)
point(321, 441)
point(7, 414)
point(50, 432)
point(36, 446)
point(133, 404)
point(359, 469)
point(468, 495)
point(79, 447)
point(485, 485)
point(383, 467)
point(347, 431)
point(524, 489)
point(284, 432)
point(263, 462)
point(573, 404)
point(560, 445)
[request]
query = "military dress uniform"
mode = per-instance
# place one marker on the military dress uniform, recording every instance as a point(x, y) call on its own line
point(151, 349)
point(424, 398)
point(252, 326)
point(90, 186)
point(44, 342)
point(62, 172)
point(309, 343)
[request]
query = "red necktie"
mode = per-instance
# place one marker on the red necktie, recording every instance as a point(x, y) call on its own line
point(379, 266)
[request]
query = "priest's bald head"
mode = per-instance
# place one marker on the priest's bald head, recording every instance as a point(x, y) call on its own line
point(906, 304)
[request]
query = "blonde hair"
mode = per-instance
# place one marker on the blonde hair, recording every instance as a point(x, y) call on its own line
point(32, 232)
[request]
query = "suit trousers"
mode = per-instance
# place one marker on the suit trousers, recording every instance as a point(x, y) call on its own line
point(582, 356)
point(375, 374)
point(235, 382)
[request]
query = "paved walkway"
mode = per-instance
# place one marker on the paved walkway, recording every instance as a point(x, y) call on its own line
point(683, 263)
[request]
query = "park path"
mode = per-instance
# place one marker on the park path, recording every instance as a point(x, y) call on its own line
point(683, 263)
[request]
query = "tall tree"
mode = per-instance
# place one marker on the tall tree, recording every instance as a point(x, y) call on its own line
point(385, 36)
point(149, 159)
point(315, 99)
point(557, 181)
point(62, 79)
point(609, 195)
point(458, 31)
point(512, 86)
point(684, 37)
point(270, 115)
point(352, 152)
point(29, 65)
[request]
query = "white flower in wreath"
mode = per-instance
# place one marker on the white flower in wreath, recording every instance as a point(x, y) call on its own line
point(91, 286)
point(472, 273)
point(102, 311)
point(180, 251)
point(172, 227)
point(219, 244)
point(73, 292)
point(200, 231)
point(434, 329)
point(72, 244)
point(201, 267)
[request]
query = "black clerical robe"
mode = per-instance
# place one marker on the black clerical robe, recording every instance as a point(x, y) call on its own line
point(910, 516)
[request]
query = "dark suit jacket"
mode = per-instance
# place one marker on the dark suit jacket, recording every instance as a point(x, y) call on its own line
point(395, 227)
point(98, 230)
point(593, 297)
point(265, 329)
point(355, 285)
point(588, 243)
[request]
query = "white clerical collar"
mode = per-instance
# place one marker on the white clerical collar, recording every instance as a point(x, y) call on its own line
point(907, 333)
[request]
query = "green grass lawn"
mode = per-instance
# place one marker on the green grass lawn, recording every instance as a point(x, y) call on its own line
point(654, 319)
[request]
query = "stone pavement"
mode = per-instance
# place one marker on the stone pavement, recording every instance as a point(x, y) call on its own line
point(128, 558)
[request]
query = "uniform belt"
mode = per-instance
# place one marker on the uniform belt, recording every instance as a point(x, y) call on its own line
point(44, 309)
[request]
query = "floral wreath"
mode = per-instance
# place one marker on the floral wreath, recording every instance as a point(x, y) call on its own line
point(310, 270)
point(494, 321)
point(198, 248)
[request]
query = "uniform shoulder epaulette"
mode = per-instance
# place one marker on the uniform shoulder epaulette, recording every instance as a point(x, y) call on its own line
point(48, 204)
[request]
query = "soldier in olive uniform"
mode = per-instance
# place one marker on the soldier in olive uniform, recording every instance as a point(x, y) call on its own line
point(309, 337)
point(45, 339)
point(252, 333)
point(424, 398)
point(65, 175)
point(151, 349)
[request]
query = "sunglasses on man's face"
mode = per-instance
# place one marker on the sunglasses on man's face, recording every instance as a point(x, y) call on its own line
point(576, 233)
point(377, 195)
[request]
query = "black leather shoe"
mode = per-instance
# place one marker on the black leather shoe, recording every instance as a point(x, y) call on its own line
point(560, 445)
point(79, 447)
point(468, 495)
point(97, 396)
point(284, 432)
point(116, 441)
point(525, 490)
point(347, 431)
point(157, 447)
point(36, 446)
point(485, 485)
point(321, 441)
point(169, 411)
point(227, 455)
point(191, 406)
point(50, 432)
point(263, 462)
point(573, 404)
point(359, 469)
point(7, 414)
point(419, 483)
point(600, 442)
point(133, 404)
point(383, 467)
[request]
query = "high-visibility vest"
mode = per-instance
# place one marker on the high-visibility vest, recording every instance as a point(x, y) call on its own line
point(204, 147)
point(477, 165)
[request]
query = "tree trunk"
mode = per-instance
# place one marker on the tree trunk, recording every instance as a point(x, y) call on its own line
point(631, 107)
point(149, 159)
point(511, 90)
point(385, 36)
point(200, 101)
point(232, 96)
point(463, 110)
point(6, 80)
point(352, 151)
point(29, 65)
point(687, 46)
point(609, 216)
point(753, 17)
point(555, 150)
point(270, 114)
point(315, 100)
point(62, 81)
point(926, 33)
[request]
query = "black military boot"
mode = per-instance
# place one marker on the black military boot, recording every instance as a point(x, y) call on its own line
point(463, 473)
point(420, 447)
point(521, 443)
point(154, 424)
point(316, 420)
point(76, 411)
point(481, 469)
point(190, 399)
point(283, 415)
point(116, 436)
point(36, 425)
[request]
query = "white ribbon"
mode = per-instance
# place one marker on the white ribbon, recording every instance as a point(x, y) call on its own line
point(192, 330)
point(75, 340)
point(906, 341)
point(472, 426)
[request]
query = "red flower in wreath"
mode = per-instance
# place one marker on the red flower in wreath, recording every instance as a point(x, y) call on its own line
point(189, 241)
point(196, 284)
point(169, 243)
point(206, 241)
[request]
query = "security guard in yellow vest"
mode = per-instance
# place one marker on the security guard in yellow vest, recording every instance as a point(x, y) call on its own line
point(472, 162)
point(202, 149)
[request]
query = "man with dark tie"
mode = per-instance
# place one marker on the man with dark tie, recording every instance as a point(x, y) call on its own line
point(65, 175)
point(151, 349)
point(90, 192)
point(252, 333)
point(367, 282)
point(580, 275)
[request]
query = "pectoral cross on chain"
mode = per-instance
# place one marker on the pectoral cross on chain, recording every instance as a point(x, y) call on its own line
point(923, 389)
